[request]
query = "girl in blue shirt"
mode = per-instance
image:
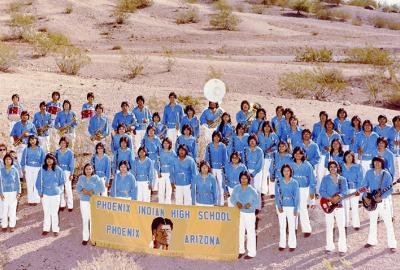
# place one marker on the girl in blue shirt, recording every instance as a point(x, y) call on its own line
point(294, 135)
point(311, 148)
point(124, 185)
point(382, 129)
point(243, 114)
point(204, 187)
point(319, 126)
point(356, 127)
point(99, 127)
point(161, 129)
point(366, 145)
point(280, 157)
point(167, 157)
point(191, 119)
point(67, 118)
point(187, 139)
point(336, 153)
point(116, 138)
point(124, 153)
point(278, 120)
point(285, 127)
point(226, 128)
point(232, 171)
point(343, 127)
point(101, 163)
point(153, 146)
point(256, 125)
point(143, 170)
point(239, 140)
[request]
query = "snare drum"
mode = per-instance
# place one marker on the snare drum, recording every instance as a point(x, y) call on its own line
point(14, 113)
point(87, 114)
point(53, 110)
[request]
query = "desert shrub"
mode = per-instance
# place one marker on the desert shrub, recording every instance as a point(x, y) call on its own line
point(369, 55)
point(69, 9)
point(116, 47)
point(224, 19)
point(22, 25)
point(319, 83)
point(314, 55)
point(155, 104)
point(341, 15)
point(43, 43)
point(8, 56)
point(258, 9)
point(357, 21)
point(133, 5)
point(393, 25)
point(323, 14)
point(120, 16)
point(187, 16)
point(190, 100)
point(391, 8)
point(363, 3)
point(170, 60)
point(191, 1)
point(70, 59)
point(108, 260)
point(134, 64)
point(15, 7)
point(378, 22)
point(300, 5)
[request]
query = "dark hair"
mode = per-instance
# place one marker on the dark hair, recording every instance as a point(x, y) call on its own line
point(252, 137)
point(25, 113)
point(306, 130)
point(351, 153)
point(172, 94)
point(340, 111)
point(156, 114)
point(186, 127)
point(284, 144)
point(189, 108)
point(243, 103)
point(149, 128)
point(140, 98)
point(204, 163)
point(382, 139)
point(216, 133)
point(168, 140)
point(55, 93)
point(266, 124)
point(142, 148)
point(120, 126)
point(32, 137)
point(99, 145)
point(64, 139)
point(261, 110)
point(15, 96)
point(52, 157)
point(293, 117)
point(67, 102)
point(340, 147)
point(222, 124)
point(354, 118)
point(42, 103)
point(329, 121)
point(301, 151)
point(90, 95)
point(395, 119)
point(184, 147)
point(323, 113)
point(247, 174)
point(99, 106)
point(84, 168)
point(382, 116)
point(124, 103)
point(236, 154)
point(366, 122)
point(288, 110)
point(279, 107)
point(124, 139)
point(334, 162)
point(240, 126)
point(123, 162)
point(286, 166)
point(216, 104)
point(8, 155)
point(3, 145)
point(160, 221)
point(379, 159)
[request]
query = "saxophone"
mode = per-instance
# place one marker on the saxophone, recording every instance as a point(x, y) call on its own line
point(252, 116)
point(64, 130)
point(98, 135)
point(217, 119)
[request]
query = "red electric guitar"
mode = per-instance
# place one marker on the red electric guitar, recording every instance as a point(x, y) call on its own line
point(328, 206)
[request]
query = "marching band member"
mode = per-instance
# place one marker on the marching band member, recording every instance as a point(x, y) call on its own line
point(245, 197)
point(20, 133)
point(287, 203)
point(49, 183)
point(3, 152)
point(172, 117)
point(232, 172)
point(303, 173)
point(88, 185)
point(65, 160)
point(280, 157)
point(354, 176)
point(123, 153)
point(204, 187)
point(343, 127)
point(210, 119)
point(285, 127)
point(216, 156)
point(191, 119)
point(382, 129)
point(239, 140)
point(99, 127)
point(334, 186)
point(13, 154)
point(115, 139)
point(66, 123)
point(336, 153)
point(226, 128)
point(143, 119)
point(143, 170)
point(88, 110)
point(278, 120)
point(256, 125)
point(379, 178)
point(10, 192)
point(356, 127)
point(124, 185)
point(14, 111)
point(167, 157)
point(101, 163)
point(153, 147)
point(32, 160)
point(184, 170)
point(242, 116)
point(128, 119)
point(161, 129)
point(53, 107)
point(366, 145)
point(187, 139)
point(294, 136)
point(43, 123)
point(268, 142)
point(311, 148)
point(394, 142)
point(319, 126)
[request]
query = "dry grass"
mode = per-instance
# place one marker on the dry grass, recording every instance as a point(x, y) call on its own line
point(155, 104)
point(70, 59)
point(357, 21)
point(43, 43)
point(133, 5)
point(170, 60)
point(369, 55)
point(314, 55)
point(224, 19)
point(120, 17)
point(8, 57)
point(363, 3)
point(22, 25)
point(134, 64)
point(69, 9)
point(214, 73)
point(187, 16)
point(380, 22)
point(189, 100)
point(109, 260)
point(258, 9)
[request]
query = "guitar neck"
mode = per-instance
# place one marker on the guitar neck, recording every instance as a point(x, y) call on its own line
point(386, 189)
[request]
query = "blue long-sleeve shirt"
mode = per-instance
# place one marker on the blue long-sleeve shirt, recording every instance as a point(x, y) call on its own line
point(316, 131)
point(191, 144)
point(140, 115)
point(121, 155)
point(394, 136)
point(368, 144)
point(115, 139)
point(249, 195)
point(313, 154)
point(296, 138)
point(65, 160)
point(256, 126)
point(383, 132)
point(9, 180)
point(288, 194)
point(50, 182)
point(268, 143)
point(216, 156)
point(253, 159)
point(334, 156)
point(41, 120)
point(344, 128)
point(372, 181)
point(32, 158)
point(153, 147)
point(324, 140)
point(232, 174)
point(238, 144)
point(205, 190)
point(183, 171)
point(304, 174)
point(209, 115)
point(241, 117)
point(329, 188)
point(354, 175)
point(20, 128)
point(102, 166)
point(93, 183)
point(388, 157)
point(277, 162)
point(128, 119)
point(194, 123)
point(227, 131)
point(277, 123)
point(167, 158)
point(143, 170)
point(99, 123)
point(125, 187)
point(161, 130)
point(88, 109)
point(172, 115)
point(285, 129)
point(65, 118)
point(353, 146)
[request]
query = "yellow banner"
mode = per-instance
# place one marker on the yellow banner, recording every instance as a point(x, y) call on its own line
point(173, 230)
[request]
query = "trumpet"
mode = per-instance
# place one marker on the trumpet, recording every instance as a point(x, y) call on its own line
point(253, 114)
point(63, 130)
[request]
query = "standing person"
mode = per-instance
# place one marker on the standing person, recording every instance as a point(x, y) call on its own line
point(376, 179)
point(184, 170)
point(161, 129)
point(334, 186)
point(366, 145)
point(167, 157)
point(268, 142)
point(294, 135)
point(216, 156)
point(143, 119)
point(172, 117)
point(205, 187)
point(382, 128)
point(278, 120)
point(99, 127)
point(279, 158)
point(343, 127)
point(123, 153)
point(245, 197)
point(49, 183)
point(311, 149)
point(319, 126)
point(336, 153)
point(101, 163)
point(128, 119)
point(66, 161)
point(88, 110)
point(210, 119)
point(66, 123)
point(32, 160)
point(232, 172)
point(14, 111)
point(226, 128)
point(153, 146)
point(239, 140)
point(285, 127)
point(21, 132)
point(243, 116)
point(3, 152)
point(287, 203)
point(53, 107)
point(88, 185)
point(10, 192)
point(116, 138)
point(256, 125)
point(394, 142)
point(124, 185)
point(356, 128)
point(191, 119)
point(143, 170)
point(387, 155)
point(43, 123)
point(189, 140)
point(354, 176)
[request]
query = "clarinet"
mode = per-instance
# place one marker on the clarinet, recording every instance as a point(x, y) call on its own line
point(209, 154)
point(225, 181)
point(159, 160)
point(245, 157)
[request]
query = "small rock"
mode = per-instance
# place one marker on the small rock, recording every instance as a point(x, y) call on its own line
point(346, 103)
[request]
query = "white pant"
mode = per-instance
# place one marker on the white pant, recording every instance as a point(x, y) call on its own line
point(138, 139)
point(143, 191)
point(9, 205)
point(208, 133)
point(51, 204)
point(103, 183)
point(86, 223)
point(20, 149)
point(397, 168)
point(247, 224)
point(352, 203)
point(219, 176)
point(44, 142)
point(12, 123)
point(320, 172)
point(366, 165)
point(337, 214)
point(183, 195)
point(383, 210)
point(66, 197)
point(164, 189)
point(303, 211)
point(256, 183)
point(230, 204)
point(288, 213)
point(31, 176)
point(268, 187)
point(155, 183)
point(173, 134)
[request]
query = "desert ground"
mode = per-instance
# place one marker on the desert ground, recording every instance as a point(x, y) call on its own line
point(250, 61)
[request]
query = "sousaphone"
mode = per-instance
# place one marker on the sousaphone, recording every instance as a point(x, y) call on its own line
point(214, 90)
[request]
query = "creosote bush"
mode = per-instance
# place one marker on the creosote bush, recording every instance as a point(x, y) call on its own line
point(187, 16)
point(134, 64)
point(133, 5)
point(300, 5)
point(369, 55)
point(224, 19)
point(71, 59)
point(314, 55)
